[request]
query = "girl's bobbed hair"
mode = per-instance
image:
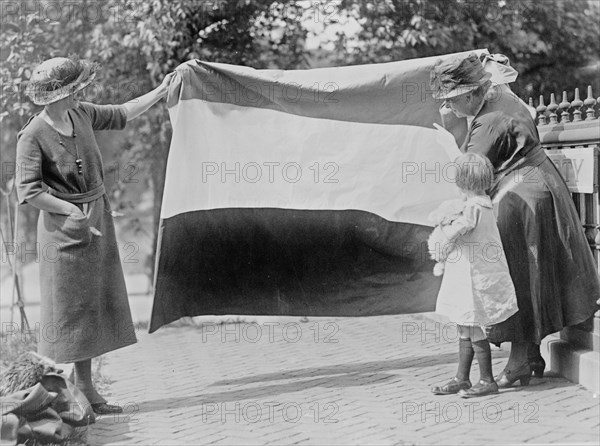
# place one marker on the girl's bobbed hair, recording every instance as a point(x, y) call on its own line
point(474, 172)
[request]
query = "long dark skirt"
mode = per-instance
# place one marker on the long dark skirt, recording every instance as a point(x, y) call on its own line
point(84, 306)
point(549, 258)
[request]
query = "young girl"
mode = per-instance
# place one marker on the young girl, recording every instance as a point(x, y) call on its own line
point(476, 289)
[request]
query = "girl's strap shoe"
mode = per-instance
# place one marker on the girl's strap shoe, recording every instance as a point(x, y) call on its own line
point(482, 388)
point(451, 387)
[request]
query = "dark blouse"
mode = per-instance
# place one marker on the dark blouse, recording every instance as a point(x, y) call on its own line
point(505, 132)
point(47, 157)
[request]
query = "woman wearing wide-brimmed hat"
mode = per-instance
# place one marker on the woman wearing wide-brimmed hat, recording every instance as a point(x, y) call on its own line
point(549, 258)
point(84, 306)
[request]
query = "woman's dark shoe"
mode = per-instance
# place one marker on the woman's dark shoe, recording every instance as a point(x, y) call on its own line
point(451, 387)
point(508, 377)
point(537, 366)
point(482, 388)
point(106, 409)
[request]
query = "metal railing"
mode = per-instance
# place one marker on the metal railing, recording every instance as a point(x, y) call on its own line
point(570, 133)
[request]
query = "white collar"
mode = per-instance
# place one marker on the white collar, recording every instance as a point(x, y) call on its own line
point(481, 200)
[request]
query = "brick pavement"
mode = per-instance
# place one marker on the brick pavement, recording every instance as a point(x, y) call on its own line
point(326, 381)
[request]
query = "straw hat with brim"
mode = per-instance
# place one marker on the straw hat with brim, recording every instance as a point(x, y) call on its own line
point(59, 77)
point(457, 75)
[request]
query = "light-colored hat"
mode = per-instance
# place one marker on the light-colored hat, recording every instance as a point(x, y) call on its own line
point(59, 77)
point(499, 67)
point(457, 75)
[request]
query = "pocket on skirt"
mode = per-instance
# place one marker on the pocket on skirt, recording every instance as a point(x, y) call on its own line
point(69, 229)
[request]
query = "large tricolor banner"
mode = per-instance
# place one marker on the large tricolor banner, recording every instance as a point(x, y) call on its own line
point(302, 192)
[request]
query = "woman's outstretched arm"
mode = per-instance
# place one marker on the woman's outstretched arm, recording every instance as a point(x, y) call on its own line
point(139, 105)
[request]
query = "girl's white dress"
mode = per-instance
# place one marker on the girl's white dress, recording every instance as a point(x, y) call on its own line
point(476, 288)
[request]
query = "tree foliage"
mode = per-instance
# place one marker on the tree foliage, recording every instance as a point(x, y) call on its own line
point(551, 43)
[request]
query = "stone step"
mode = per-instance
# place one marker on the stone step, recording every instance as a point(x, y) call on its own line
point(577, 364)
point(582, 339)
point(586, 335)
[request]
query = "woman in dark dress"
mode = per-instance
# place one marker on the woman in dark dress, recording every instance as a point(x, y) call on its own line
point(549, 259)
point(84, 306)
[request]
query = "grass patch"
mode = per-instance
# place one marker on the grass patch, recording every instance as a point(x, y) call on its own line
point(77, 438)
point(15, 344)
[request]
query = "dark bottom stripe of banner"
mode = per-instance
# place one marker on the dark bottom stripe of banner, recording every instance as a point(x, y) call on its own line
point(290, 262)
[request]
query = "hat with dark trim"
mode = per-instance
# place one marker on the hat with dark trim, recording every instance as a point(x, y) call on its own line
point(457, 75)
point(59, 77)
